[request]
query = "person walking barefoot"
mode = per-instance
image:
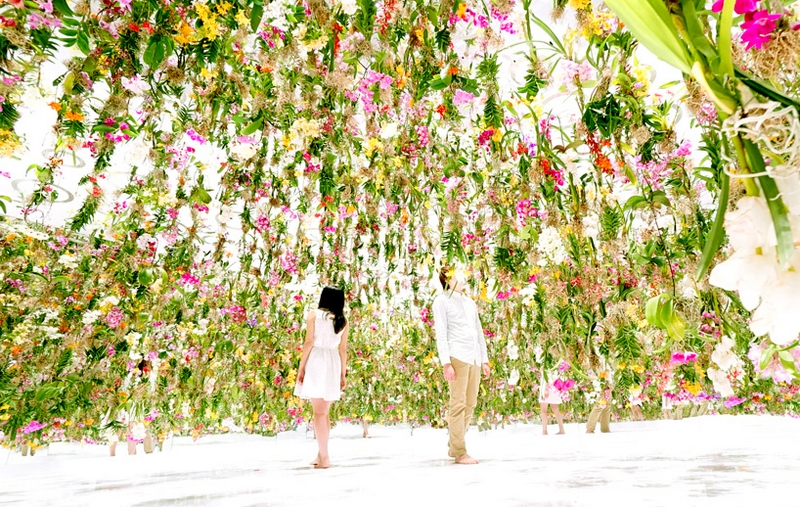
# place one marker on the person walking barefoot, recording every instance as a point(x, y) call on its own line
point(550, 396)
point(462, 352)
point(321, 375)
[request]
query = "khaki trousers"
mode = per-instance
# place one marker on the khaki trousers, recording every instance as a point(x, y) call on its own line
point(463, 398)
point(601, 412)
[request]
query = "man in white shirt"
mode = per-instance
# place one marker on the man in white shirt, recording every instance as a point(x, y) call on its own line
point(462, 352)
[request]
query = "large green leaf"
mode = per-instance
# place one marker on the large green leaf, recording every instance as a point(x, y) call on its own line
point(717, 233)
point(777, 209)
point(650, 23)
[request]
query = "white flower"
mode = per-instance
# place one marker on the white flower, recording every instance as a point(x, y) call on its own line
point(135, 85)
point(721, 382)
point(389, 130)
point(144, 241)
point(349, 7)
point(724, 358)
point(749, 274)
point(777, 313)
point(109, 301)
point(686, 287)
point(591, 225)
point(91, 317)
point(68, 261)
point(750, 226)
point(243, 151)
point(208, 385)
point(513, 350)
point(230, 425)
point(138, 431)
point(514, 377)
point(551, 246)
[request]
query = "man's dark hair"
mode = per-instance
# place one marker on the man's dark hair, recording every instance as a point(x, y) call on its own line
point(444, 277)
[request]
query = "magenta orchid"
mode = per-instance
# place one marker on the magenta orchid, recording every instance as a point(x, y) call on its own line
point(758, 29)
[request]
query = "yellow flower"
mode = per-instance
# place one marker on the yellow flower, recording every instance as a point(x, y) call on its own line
point(580, 4)
point(497, 136)
point(372, 145)
point(223, 8)
point(205, 73)
point(242, 19)
point(185, 34)
point(694, 388)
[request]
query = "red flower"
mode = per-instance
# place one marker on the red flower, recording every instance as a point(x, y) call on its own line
point(134, 27)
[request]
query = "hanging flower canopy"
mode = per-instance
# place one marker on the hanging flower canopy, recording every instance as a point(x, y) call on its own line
point(181, 179)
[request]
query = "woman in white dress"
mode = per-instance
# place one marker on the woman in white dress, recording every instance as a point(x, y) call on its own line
point(550, 396)
point(320, 377)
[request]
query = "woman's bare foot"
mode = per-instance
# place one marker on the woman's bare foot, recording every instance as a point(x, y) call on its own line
point(323, 463)
point(315, 461)
point(561, 433)
point(544, 433)
point(466, 460)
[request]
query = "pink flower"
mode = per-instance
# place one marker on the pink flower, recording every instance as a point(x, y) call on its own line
point(733, 401)
point(741, 7)
point(463, 97)
point(33, 426)
point(758, 28)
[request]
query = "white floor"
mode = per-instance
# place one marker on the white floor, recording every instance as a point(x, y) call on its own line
point(708, 461)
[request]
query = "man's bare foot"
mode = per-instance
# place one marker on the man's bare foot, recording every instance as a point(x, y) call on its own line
point(544, 433)
point(587, 431)
point(466, 460)
point(323, 463)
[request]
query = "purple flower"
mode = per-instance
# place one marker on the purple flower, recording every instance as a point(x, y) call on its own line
point(758, 28)
point(33, 426)
point(741, 7)
point(733, 401)
point(462, 97)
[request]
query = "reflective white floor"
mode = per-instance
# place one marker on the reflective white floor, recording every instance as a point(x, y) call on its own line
point(707, 461)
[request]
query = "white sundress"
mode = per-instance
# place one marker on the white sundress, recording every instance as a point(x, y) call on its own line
point(548, 392)
point(324, 365)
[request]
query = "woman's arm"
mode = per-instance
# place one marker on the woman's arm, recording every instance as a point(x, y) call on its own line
point(307, 344)
point(343, 352)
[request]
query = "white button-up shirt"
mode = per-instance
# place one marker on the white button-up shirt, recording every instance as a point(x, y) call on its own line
point(458, 329)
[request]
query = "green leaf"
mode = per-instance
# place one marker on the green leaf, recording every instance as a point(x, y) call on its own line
point(767, 90)
point(69, 83)
point(766, 356)
point(777, 209)
point(255, 16)
point(83, 42)
point(650, 22)
point(787, 361)
point(724, 38)
point(717, 233)
point(62, 7)
point(438, 84)
point(635, 202)
point(252, 127)
point(155, 52)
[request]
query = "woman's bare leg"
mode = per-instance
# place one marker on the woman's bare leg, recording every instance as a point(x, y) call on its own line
point(322, 428)
point(543, 407)
point(366, 428)
point(560, 419)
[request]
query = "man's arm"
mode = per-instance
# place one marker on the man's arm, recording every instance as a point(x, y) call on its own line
point(482, 341)
point(440, 325)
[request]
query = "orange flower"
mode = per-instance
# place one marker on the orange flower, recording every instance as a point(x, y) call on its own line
point(453, 71)
point(74, 116)
point(55, 106)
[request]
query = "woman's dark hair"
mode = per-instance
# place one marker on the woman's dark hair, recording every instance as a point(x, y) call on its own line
point(444, 277)
point(332, 301)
